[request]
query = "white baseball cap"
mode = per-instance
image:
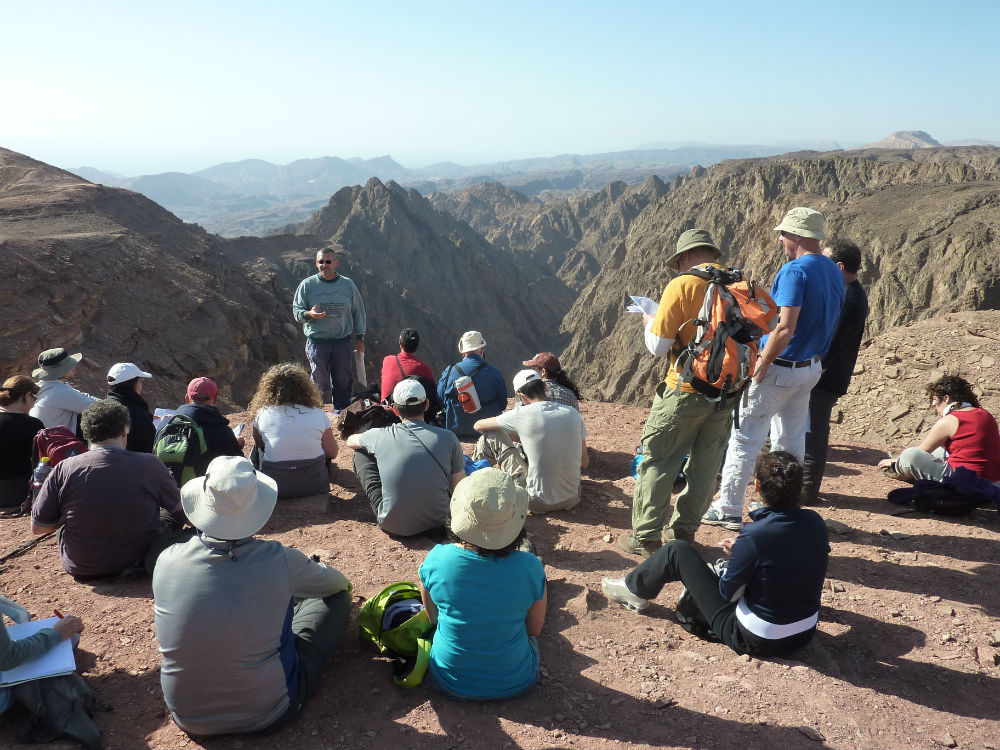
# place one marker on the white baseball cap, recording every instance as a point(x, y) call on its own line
point(524, 377)
point(408, 392)
point(125, 371)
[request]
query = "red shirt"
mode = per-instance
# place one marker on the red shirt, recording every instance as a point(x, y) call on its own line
point(976, 443)
point(391, 374)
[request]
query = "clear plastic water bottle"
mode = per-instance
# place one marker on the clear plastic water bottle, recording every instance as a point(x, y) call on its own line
point(38, 478)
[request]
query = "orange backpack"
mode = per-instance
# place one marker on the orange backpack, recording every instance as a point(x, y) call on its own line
point(721, 356)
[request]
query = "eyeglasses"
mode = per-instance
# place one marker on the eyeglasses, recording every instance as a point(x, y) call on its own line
point(323, 262)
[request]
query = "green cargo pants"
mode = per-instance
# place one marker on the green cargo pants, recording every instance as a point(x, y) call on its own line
point(679, 424)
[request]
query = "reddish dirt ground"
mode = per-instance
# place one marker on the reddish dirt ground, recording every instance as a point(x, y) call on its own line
point(905, 655)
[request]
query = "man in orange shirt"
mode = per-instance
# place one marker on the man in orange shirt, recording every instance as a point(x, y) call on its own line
point(682, 423)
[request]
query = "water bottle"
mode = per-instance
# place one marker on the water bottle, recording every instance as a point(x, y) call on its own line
point(38, 478)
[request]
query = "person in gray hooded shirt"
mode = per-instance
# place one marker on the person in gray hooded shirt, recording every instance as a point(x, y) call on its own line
point(245, 626)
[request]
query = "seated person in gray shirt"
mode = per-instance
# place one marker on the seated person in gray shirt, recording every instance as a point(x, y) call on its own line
point(245, 626)
point(408, 470)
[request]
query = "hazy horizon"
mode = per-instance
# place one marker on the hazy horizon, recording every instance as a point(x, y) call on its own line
point(146, 88)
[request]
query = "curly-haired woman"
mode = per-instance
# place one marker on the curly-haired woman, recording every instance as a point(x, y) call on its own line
point(291, 432)
point(965, 435)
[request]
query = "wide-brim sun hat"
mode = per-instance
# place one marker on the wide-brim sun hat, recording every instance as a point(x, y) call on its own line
point(805, 222)
point(470, 341)
point(689, 240)
point(232, 501)
point(488, 509)
point(55, 363)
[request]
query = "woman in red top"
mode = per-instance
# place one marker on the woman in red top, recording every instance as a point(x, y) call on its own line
point(965, 435)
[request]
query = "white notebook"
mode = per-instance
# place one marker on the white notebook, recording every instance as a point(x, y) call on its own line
point(57, 660)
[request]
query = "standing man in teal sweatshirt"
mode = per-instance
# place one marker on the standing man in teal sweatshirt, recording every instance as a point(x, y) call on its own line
point(332, 313)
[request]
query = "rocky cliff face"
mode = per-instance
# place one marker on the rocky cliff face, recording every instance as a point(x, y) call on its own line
point(571, 237)
point(420, 267)
point(927, 220)
point(110, 273)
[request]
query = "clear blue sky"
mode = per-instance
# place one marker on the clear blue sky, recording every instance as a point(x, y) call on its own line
point(148, 86)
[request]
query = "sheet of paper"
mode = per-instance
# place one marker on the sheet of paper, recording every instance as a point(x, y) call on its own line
point(160, 416)
point(642, 305)
point(57, 660)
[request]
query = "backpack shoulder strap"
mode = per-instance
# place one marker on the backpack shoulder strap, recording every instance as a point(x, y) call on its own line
point(424, 446)
point(400, 366)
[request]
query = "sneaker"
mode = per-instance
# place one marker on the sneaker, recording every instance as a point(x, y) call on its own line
point(715, 518)
point(616, 591)
point(633, 546)
point(719, 566)
point(685, 535)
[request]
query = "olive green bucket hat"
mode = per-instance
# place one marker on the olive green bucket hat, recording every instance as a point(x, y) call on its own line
point(689, 240)
point(805, 222)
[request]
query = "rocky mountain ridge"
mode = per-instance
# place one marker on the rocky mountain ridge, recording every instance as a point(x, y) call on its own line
point(927, 221)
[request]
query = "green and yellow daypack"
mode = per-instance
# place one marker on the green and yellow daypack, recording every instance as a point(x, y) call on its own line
point(395, 621)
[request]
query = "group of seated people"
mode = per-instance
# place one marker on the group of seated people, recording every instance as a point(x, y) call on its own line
point(233, 611)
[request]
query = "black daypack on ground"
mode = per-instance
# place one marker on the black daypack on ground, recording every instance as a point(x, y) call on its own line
point(959, 493)
point(180, 445)
point(364, 413)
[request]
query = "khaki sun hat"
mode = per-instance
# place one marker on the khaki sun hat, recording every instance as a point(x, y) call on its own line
point(232, 501)
point(488, 509)
point(805, 222)
point(55, 363)
point(470, 341)
point(689, 240)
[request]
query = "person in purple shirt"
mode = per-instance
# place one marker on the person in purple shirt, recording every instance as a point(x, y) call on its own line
point(766, 602)
point(809, 292)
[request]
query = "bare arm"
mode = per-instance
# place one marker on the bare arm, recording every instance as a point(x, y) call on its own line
point(536, 615)
point(354, 441)
point(585, 456)
point(456, 478)
point(485, 425)
point(40, 528)
point(940, 433)
point(430, 606)
point(788, 318)
point(329, 442)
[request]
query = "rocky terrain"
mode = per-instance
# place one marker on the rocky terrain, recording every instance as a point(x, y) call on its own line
point(906, 139)
point(111, 273)
point(905, 655)
point(927, 221)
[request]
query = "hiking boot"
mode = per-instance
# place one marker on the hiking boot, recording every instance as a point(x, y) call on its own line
point(616, 591)
point(633, 546)
point(685, 535)
point(715, 518)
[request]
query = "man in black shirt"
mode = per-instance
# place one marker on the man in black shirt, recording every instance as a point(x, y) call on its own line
point(838, 365)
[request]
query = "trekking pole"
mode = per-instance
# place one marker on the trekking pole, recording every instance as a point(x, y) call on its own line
point(26, 546)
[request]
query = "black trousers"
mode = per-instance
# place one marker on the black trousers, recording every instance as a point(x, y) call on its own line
point(677, 561)
point(821, 403)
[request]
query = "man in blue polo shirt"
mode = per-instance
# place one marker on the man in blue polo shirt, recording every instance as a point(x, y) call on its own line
point(809, 292)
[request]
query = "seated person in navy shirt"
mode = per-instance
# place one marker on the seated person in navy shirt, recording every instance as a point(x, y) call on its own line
point(767, 600)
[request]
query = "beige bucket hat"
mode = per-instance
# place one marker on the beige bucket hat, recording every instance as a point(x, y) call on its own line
point(805, 222)
point(470, 341)
point(488, 509)
point(232, 501)
point(689, 240)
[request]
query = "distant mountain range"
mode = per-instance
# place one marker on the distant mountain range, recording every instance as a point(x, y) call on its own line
point(255, 197)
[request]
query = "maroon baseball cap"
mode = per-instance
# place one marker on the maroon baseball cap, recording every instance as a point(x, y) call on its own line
point(548, 360)
point(202, 388)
